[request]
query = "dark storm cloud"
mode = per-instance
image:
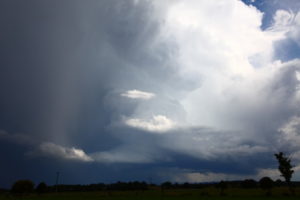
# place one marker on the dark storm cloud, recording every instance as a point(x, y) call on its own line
point(57, 56)
point(61, 60)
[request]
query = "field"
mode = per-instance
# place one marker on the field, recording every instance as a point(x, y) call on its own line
point(156, 193)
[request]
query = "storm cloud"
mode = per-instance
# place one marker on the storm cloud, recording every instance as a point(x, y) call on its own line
point(177, 90)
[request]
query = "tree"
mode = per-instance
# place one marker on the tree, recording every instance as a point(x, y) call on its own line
point(222, 185)
point(166, 185)
point(22, 187)
point(41, 188)
point(266, 183)
point(285, 168)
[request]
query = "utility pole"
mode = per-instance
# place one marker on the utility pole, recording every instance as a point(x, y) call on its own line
point(56, 182)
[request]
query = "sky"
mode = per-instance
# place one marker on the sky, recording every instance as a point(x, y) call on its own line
point(148, 90)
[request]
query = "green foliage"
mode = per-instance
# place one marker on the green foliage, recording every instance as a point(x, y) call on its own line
point(22, 187)
point(285, 166)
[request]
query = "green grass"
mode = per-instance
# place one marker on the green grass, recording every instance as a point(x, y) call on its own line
point(155, 193)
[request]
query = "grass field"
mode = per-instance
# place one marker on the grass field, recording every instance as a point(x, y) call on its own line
point(155, 193)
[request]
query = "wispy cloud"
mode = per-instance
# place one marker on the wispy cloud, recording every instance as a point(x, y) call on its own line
point(137, 94)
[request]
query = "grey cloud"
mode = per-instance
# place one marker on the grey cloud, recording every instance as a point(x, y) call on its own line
point(18, 138)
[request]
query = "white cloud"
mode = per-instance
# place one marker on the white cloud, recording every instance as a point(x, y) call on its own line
point(159, 123)
point(272, 173)
point(220, 46)
point(288, 23)
point(238, 85)
point(58, 151)
point(137, 94)
point(283, 19)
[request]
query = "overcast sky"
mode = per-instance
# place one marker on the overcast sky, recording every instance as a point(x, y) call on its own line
point(178, 90)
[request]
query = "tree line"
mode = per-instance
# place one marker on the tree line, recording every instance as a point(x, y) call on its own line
point(265, 183)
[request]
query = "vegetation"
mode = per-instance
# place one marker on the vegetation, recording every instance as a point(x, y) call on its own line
point(266, 184)
point(22, 187)
point(285, 168)
point(205, 192)
point(41, 188)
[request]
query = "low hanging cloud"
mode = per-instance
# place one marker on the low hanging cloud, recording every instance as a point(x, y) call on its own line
point(195, 177)
point(57, 151)
point(159, 123)
point(185, 175)
point(137, 94)
point(121, 156)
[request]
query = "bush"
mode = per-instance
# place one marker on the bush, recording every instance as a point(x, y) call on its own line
point(22, 187)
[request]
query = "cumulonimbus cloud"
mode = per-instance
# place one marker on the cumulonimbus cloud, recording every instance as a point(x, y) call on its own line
point(209, 62)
